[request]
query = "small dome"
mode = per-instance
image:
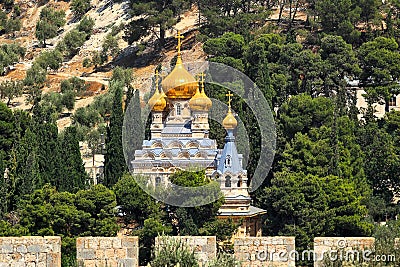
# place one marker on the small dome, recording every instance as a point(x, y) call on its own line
point(157, 102)
point(229, 122)
point(179, 83)
point(200, 101)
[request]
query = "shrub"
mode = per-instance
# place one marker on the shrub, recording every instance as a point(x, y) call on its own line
point(224, 260)
point(171, 252)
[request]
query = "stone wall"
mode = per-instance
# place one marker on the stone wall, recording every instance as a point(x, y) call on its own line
point(341, 247)
point(265, 251)
point(107, 251)
point(30, 251)
point(205, 247)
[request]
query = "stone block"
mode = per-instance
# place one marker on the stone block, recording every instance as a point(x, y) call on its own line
point(117, 243)
point(105, 243)
point(7, 248)
point(110, 251)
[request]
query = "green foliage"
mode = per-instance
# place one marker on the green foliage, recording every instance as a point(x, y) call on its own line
point(49, 59)
point(171, 252)
point(135, 203)
point(48, 153)
point(379, 61)
point(307, 206)
point(86, 116)
point(110, 47)
point(114, 161)
point(10, 90)
point(86, 213)
point(152, 228)
point(7, 229)
point(35, 76)
point(86, 25)
point(153, 14)
point(103, 104)
point(50, 21)
point(53, 101)
point(6, 128)
point(232, 16)
point(97, 59)
point(339, 17)
point(86, 63)
point(75, 85)
point(10, 54)
point(224, 260)
point(7, 3)
point(123, 75)
point(10, 24)
point(228, 45)
point(301, 113)
point(220, 228)
point(80, 7)
point(74, 173)
point(382, 166)
point(192, 221)
point(71, 43)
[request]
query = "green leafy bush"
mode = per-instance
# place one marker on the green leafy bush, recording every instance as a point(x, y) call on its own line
point(224, 260)
point(171, 252)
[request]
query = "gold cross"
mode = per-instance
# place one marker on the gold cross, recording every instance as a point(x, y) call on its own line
point(179, 36)
point(157, 78)
point(201, 76)
point(229, 95)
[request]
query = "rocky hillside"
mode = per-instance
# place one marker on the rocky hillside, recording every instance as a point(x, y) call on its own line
point(106, 15)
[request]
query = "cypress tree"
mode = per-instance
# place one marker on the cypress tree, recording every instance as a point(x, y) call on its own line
point(74, 176)
point(50, 164)
point(3, 185)
point(28, 177)
point(133, 127)
point(114, 161)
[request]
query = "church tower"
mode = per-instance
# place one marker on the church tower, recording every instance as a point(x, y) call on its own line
point(180, 140)
point(234, 183)
point(179, 127)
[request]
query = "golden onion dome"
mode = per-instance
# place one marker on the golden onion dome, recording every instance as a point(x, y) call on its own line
point(179, 83)
point(229, 122)
point(161, 103)
point(157, 102)
point(200, 101)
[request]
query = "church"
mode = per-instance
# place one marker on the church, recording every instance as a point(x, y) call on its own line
point(180, 140)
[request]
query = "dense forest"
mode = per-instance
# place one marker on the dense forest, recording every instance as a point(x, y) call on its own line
point(333, 174)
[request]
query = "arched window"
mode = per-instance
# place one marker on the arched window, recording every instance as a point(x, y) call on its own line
point(158, 181)
point(228, 182)
point(240, 182)
point(228, 161)
point(178, 109)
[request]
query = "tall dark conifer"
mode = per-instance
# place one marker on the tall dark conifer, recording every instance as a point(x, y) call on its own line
point(133, 127)
point(50, 164)
point(73, 176)
point(28, 176)
point(3, 186)
point(114, 161)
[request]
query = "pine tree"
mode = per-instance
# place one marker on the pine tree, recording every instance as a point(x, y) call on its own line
point(73, 176)
point(114, 161)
